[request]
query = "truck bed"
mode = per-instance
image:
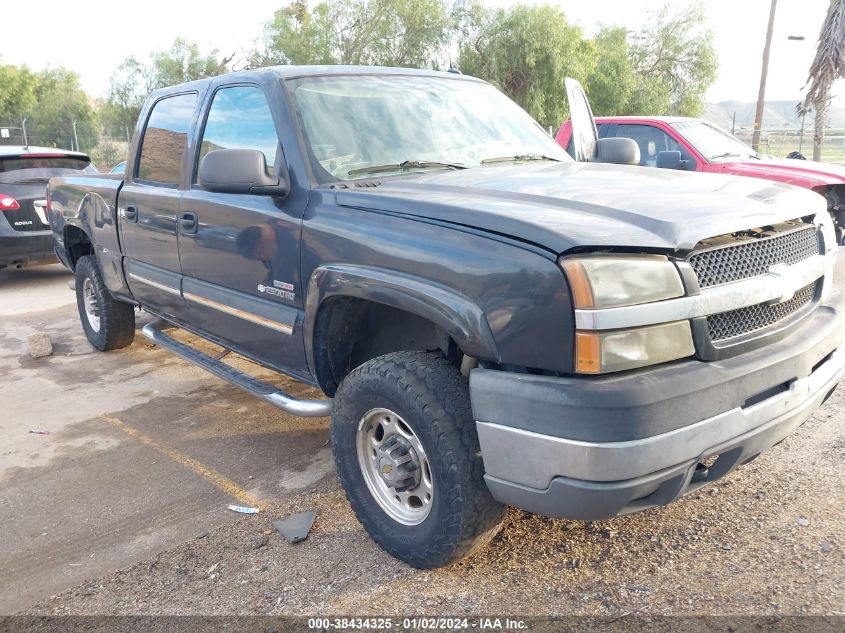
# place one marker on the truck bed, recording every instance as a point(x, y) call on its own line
point(88, 204)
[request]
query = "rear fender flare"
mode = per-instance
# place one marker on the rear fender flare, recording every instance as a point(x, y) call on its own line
point(97, 219)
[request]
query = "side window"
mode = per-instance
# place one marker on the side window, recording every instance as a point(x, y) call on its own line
point(163, 144)
point(239, 118)
point(651, 141)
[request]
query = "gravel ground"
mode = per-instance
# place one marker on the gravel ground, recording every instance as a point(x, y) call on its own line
point(767, 539)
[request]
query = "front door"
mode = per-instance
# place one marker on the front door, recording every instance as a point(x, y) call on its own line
point(149, 202)
point(584, 134)
point(240, 252)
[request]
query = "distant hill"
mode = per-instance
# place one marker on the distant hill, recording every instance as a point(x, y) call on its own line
point(777, 114)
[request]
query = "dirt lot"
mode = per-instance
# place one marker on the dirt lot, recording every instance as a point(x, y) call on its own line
point(122, 508)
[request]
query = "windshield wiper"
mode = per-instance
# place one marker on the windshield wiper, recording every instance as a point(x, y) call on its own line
point(518, 157)
point(725, 155)
point(31, 180)
point(405, 166)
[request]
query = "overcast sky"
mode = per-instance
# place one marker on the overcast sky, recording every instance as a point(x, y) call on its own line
point(91, 37)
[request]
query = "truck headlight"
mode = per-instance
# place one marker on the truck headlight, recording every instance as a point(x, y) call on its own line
point(609, 281)
point(617, 350)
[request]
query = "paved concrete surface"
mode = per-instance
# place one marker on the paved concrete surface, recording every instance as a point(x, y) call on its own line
point(122, 508)
point(144, 451)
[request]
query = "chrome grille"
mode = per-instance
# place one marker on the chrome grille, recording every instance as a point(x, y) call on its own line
point(754, 257)
point(745, 320)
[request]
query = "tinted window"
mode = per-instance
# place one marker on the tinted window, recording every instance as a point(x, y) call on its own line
point(239, 118)
point(41, 168)
point(651, 141)
point(163, 145)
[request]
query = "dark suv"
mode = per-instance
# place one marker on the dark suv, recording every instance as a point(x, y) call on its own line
point(24, 172)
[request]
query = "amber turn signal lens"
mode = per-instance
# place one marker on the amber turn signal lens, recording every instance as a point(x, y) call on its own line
point(587, 352)
point(582, 292)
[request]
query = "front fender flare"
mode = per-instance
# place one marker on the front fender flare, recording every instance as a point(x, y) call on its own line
point(454, 313)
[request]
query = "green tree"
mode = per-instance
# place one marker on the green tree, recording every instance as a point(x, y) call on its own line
point(133, 80)
point(60, 101)
point(380, 32)
point(17, 93)
point(129, 86)
point(612, 83)
point(527, 51)
point(675, 56)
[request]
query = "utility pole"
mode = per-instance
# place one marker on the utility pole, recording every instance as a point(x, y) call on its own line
point(761, 96)
point(801, 138)
point(23, 127)
point(75, 139)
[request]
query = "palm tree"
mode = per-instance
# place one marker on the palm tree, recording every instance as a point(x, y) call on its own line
point(827, 67)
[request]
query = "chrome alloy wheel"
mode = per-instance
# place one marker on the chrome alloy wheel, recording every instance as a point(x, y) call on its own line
point(395, 466)
point(92, 306)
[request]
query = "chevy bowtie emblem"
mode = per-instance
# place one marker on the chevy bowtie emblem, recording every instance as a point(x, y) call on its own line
point(788, 282)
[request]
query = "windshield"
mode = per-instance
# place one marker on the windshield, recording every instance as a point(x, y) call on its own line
point(23, 169)
point(713, 143)
point(360, 126)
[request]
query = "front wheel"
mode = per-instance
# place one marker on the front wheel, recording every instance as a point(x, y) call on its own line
point(108, 323)
point(408, 457)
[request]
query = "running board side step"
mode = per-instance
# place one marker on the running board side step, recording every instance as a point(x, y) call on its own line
point(154, 332)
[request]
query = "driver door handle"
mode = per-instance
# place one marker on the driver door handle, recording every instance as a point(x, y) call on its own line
point(188, 222)
point(131, 213)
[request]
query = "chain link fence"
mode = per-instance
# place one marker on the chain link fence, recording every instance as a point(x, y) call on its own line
point(108, 151)
point(781, 143)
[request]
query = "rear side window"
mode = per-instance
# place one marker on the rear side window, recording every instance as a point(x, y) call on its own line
point(34, 169)
point(240, 118)
point(163, 144)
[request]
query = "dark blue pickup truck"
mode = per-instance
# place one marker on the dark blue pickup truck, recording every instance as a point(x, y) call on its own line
point(492, 323)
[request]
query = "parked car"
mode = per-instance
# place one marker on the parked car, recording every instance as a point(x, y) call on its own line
point(25, 237)
point(695, 145)
point(491, 323)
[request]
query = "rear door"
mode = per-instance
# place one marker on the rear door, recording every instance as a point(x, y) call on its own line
point(148, 204)
point(240, 252)
point(584, 133)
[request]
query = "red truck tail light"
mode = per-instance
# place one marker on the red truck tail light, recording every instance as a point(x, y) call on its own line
point(8, 203)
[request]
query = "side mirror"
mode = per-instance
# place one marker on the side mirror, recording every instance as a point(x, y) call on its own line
point(670, 160)
point(622, 151)
point(240, 171)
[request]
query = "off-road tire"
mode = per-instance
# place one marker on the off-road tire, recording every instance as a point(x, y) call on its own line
point(117, 318)
point(432, 396)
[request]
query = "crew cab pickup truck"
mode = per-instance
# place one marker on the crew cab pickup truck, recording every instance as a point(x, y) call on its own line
point(695, 145)
point(491, 322)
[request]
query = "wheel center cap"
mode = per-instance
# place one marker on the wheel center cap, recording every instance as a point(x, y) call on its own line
point(387, 468)
point(397, 464)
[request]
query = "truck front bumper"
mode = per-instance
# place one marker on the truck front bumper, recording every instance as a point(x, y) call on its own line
point(593, 448)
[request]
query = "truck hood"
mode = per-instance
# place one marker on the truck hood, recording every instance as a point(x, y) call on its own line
point(803, 173)
point(561, 206)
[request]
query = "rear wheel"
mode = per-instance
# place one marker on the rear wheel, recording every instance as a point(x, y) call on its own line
point(108, 323)
point(407, 455)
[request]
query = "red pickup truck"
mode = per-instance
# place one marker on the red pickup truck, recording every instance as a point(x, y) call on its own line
point(694, 145)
